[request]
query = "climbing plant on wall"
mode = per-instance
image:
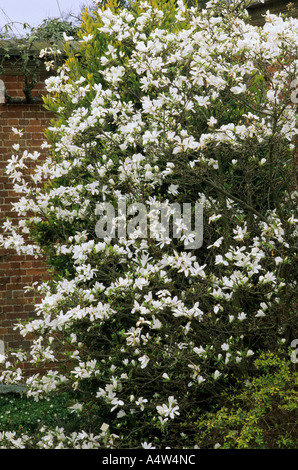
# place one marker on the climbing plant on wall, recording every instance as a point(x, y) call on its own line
point(26, 53)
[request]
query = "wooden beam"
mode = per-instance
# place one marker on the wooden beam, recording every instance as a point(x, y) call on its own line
point(257, 10)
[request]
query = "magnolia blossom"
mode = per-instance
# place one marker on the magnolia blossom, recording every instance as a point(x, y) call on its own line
point(170, 410)
point(144, 361)
point(171, 111)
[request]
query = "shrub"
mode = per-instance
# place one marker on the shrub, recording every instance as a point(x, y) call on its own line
point(162, 105)
point(262, 414)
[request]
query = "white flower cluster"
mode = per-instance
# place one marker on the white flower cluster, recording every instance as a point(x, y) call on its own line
point(167, 113)
point(57, 439)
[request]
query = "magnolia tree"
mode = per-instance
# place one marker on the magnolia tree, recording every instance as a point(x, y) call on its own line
point(166, 210)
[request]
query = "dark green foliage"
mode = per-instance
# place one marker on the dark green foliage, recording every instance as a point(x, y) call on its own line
point(19, 413)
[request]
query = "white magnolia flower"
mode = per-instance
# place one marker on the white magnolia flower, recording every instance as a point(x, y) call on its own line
point(211, 122)
point(219, 260)
point(238, 89)
point(87, 38)
point(199, 350)
point(216, 374)
point(144, 361)
point(216, 244)
point(67, 38)
point(77, 407)
point(173, 189)
point(140, 402)
point(169, 410)
point(147, 445)
point(200, 379)
point(260, 313)
point(16, 131)
point(242, 316)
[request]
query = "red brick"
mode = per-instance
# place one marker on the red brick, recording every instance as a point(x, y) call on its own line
point(18, 271)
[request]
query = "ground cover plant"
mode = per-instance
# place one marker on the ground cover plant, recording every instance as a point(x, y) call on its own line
point(19, 413)
point(147, 323)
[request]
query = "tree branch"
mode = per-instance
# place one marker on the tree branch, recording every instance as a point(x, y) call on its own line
point(236, 199)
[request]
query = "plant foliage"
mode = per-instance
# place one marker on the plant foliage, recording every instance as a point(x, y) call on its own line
point(162, 104)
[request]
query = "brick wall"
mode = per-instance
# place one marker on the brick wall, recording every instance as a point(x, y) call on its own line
point(17, 271)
